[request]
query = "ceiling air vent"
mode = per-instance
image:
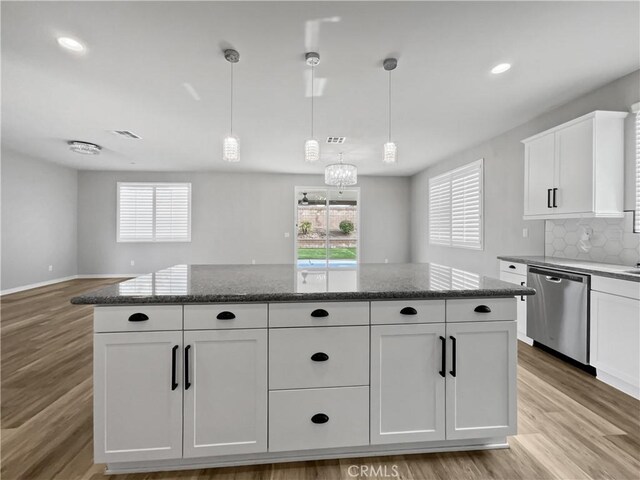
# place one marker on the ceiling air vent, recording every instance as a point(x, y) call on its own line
point(335, 140)
point(127, 134)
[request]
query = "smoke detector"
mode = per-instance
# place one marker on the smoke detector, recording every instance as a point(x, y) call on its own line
point(336, 140)
point(126, 134)
point(85, 148)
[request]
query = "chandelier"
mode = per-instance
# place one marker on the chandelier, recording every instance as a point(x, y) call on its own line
point(341, 174)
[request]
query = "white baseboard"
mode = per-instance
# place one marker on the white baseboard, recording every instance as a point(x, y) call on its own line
point(22, 288)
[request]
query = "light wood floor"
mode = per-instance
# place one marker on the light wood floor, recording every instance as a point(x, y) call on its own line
point(570, 425)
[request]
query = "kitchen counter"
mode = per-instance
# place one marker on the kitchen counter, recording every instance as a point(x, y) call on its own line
point(621, 272)
point(185, 284)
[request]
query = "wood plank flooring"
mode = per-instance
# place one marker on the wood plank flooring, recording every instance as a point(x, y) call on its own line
point(571, 426)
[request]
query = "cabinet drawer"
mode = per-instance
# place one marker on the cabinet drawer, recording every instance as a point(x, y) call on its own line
point(318, 314)
point(512, 267)
point(409, 311)
point(137, 318)
point(342, 416)
point(318, 357)
point(481, 309)
point(513, 278)
point(623, 288)
point(225, 316)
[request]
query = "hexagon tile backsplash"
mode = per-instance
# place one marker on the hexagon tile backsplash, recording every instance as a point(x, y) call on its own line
point(608, 240)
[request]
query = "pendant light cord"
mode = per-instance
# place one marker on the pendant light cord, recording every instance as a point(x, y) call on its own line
point(389, 106)
point(231, 99)
point(312, 95)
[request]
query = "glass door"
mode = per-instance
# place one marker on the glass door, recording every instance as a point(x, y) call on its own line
point(327, 227)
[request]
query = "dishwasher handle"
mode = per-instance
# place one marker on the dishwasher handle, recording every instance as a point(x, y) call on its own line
point(556, 276)
point(553, 279)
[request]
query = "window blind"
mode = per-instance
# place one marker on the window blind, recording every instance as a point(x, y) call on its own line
point(455, 207)
point(154, 212)
point(637, 225)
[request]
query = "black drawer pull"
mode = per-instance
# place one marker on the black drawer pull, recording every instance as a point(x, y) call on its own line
point(512, 267)
point(320, 357)
point(482, 309)
point(320, 418)
point(187, 381)
point(549, 198)
point(409, 311)
point(555, 205)
point(174, 374)
point(444, 356)
point(453, 356)
point(138, 317)
point(226, 316)
point(319, 313)
point(522, 296)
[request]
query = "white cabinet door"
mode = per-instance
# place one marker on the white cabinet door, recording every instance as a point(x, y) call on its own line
point(225, 392)
point(539, 161)
point(137, 396)
point(521, 305)
point(481, 380)
point(615, 340)
point(574, 168)
point(407, 383)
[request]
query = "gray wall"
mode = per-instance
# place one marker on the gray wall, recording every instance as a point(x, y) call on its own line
point(235, 218)
point(39, 220)
point(504, 182)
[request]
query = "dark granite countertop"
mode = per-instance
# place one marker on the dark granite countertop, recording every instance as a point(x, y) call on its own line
point(286, 283)
point(621, 272)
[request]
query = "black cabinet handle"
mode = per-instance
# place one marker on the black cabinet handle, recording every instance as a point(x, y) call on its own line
point(409, 311)
point(522, 296)
point(443, 372)
point(319, 313)
point(453, 356)
point(512, 267)
point(225, 316)
point(555, 190)
point(174, 366)
point(320, 418)
point(482, 309)
point(187, 382)
point(548, 198)
point(320, 357)
point(138, 317)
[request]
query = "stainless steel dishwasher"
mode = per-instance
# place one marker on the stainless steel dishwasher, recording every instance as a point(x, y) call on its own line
point(558, 314)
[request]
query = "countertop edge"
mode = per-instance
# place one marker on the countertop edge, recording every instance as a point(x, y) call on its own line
point(306, 297)
point(593, 271)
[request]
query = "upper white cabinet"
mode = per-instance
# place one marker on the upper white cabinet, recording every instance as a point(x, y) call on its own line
point(576, 169)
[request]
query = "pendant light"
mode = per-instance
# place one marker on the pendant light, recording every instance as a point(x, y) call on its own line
point(312, 146)
point(390, 148)
point(231, 145)
point(341, 174)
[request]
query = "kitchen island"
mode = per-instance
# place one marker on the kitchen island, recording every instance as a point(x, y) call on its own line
point(201, 366)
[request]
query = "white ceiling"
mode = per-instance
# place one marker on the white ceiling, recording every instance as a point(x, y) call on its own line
point(141, 53)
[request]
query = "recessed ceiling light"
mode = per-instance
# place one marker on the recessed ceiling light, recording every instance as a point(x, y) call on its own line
point(85, 148)
point(501, 68)
point(71, 44)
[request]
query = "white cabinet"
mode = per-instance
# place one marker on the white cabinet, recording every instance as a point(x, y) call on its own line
point(516, 273)
point(576, 169)
point(407, 383)
point(137, 396)
point(481, 380)
point(225, 392)
point(615, 334)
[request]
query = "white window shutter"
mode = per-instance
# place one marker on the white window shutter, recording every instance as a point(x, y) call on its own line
point(440, 210)
point(135, 212)
point(172, 212)
point(637, 226)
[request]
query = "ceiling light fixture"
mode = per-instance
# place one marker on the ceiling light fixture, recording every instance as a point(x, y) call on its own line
point(390, 148)
point(85, 148)
point(71, 44)
point(341, 174)
point(500, 68)
point(231, 145)
point(312, 146)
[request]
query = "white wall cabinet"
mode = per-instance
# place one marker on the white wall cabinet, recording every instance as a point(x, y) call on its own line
point(615, 333)
point(576, 169)
point(407, 383)
point(481, 381)
point(225, 392)
point(137, 396)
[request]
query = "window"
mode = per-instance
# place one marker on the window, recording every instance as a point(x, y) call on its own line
point(154, 212)
point(455, 207)
point(636, 109)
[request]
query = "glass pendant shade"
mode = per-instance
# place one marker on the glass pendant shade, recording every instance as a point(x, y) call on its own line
point(341, 175)
point(390, 153)
point(231, 149)
point(311, 150)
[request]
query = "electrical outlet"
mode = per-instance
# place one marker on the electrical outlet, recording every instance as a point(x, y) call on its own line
point(51, 268)
point(525, 232)
point(286, 234)
point(133, 263)
point(386, 260)
point(253, 261)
